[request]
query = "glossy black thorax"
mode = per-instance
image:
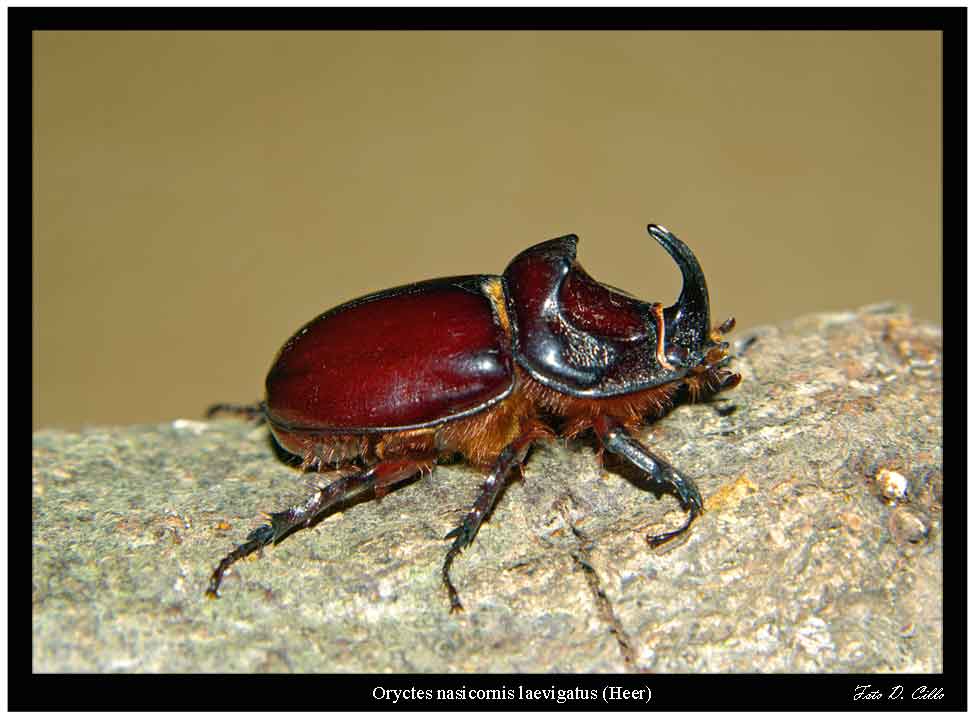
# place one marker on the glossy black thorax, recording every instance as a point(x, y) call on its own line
point(583, 338)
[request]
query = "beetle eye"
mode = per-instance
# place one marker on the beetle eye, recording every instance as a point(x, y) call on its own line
point(676, 355)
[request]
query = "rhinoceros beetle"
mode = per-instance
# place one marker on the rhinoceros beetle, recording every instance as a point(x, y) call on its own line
point(541, 351)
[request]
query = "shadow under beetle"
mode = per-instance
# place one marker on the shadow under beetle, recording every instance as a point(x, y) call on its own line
point(386, 385)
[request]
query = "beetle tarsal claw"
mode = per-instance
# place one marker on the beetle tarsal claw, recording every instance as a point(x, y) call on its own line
point(655, 540)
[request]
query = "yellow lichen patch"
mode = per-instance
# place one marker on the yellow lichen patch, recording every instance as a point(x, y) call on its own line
point(730, 494)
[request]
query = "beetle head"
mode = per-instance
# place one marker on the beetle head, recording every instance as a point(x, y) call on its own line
point(584, 338)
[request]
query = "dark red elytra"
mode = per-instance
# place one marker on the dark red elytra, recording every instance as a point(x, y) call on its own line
point(395, 359)
point(385, 386)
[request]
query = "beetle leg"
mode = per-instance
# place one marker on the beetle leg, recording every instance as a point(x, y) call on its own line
point(727, 379)
point(249, 411)
point(512, 455)
point(380, 477)
point(619, 441)
point(727, 325)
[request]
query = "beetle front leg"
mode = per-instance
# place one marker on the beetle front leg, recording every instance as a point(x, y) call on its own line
point(379, 477)
point(513, 454)
point(619, 441)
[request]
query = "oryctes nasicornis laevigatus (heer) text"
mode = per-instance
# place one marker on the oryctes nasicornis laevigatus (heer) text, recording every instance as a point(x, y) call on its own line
point(541, 351)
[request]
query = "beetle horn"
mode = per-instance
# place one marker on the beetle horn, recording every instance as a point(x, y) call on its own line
point(688, 321)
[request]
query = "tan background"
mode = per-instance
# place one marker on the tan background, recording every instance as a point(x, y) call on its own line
point(199, 196)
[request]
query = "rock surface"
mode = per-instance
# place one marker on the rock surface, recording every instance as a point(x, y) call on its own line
point(821, 549)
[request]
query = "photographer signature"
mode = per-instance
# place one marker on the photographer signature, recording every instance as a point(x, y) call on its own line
point(866, 691)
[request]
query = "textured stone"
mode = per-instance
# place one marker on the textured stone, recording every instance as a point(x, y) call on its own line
point(802, 563)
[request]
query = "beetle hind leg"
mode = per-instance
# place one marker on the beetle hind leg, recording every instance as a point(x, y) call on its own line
point(379, 478)
point(248, 411)
point(619, 441)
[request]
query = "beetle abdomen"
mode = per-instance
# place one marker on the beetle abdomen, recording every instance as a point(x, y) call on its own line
point(367, 365)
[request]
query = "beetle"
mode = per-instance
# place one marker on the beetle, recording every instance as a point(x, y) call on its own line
point(542, 350)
